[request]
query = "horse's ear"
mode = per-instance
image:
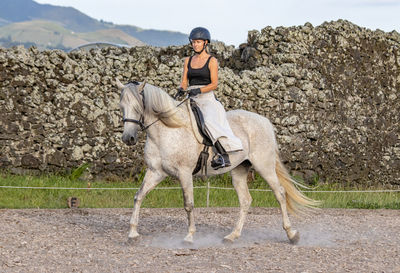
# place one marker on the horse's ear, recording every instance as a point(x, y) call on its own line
point(141, 87)
point(119, 84)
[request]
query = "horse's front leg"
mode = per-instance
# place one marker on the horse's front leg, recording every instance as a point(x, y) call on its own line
point(186, 180)
point(151, 179)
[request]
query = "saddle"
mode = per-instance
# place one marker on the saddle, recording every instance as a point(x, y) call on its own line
point(201, 136)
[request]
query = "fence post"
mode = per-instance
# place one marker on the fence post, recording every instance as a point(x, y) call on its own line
point(208, 192)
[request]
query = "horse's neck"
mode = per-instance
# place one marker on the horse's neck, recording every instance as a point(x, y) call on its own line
point(158, 129)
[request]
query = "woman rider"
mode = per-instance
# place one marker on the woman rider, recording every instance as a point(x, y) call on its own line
point(200, 78)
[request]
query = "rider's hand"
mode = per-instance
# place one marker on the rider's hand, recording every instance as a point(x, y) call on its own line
point(180, 93)
point(194, 92)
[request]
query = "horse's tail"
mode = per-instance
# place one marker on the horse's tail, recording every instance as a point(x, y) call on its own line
point(296, 201)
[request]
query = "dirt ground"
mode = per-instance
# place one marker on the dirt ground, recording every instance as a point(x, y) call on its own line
point(95, 240)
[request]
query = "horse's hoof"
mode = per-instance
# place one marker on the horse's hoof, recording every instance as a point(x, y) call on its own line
point(132, 240)
point(133, 236)
point(188, 240)
point(228, 240)
point(187, 243)
point(295, 238)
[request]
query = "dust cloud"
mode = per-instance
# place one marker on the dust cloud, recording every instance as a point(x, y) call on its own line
point(311, 235)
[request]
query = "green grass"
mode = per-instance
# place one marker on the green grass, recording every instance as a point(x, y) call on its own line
point(53, 198)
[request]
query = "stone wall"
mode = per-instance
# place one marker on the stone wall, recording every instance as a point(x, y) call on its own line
point(332, 92)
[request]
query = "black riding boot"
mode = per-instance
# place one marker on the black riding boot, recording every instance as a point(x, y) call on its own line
point(221, 159)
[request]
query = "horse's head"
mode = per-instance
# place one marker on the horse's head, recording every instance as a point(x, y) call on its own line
point(131, 104)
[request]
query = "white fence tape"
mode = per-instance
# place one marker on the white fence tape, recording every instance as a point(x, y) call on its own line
point(208, 187)
point(117, 189)
point(178, 188)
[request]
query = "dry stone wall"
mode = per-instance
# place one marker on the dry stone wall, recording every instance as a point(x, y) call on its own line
point(332, 92)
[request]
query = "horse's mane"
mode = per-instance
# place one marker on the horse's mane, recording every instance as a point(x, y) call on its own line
point(158, 103)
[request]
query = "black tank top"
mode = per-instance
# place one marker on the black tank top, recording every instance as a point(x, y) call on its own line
point(199, 76)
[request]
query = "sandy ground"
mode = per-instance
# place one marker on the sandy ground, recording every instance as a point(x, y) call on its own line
point(95, 240)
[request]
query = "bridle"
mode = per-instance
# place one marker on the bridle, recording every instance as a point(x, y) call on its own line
point(140, 121)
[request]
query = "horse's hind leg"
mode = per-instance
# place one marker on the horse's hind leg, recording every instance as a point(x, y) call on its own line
point(151, 179)
point(239, 181)
point(267, 171)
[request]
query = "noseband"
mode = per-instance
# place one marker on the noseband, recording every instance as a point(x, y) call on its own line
point(139, 122)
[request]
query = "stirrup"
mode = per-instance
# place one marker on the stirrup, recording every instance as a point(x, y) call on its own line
point(220, 161)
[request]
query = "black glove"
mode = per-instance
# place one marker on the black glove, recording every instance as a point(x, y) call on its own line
point(180, 93)
point(194, 92)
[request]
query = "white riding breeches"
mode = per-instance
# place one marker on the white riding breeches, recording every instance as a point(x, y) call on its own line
point(215, 120)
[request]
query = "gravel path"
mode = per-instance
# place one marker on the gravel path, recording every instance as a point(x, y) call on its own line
point(95, 240)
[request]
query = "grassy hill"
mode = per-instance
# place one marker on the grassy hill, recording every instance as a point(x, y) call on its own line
point(46, 34)
point(25, 10)
point(47, 26)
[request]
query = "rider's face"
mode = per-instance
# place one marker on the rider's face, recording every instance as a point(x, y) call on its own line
point(198, 45)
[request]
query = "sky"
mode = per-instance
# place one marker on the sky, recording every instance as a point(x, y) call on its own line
point(230, 20)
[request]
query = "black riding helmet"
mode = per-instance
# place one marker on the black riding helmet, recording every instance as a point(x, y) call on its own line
point(200, 33)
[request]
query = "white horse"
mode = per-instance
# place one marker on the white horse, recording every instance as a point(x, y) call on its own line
point(172, 150)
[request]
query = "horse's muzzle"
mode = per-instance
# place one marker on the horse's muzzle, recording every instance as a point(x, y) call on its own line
point(129, 140)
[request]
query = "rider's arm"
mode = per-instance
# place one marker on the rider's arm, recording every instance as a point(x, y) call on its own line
point(184, 80)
